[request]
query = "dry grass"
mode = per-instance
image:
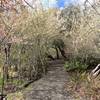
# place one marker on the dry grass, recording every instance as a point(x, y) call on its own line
point(15, 96)
point(82, 86)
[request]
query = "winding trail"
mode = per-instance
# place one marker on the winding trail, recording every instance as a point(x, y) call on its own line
point(51, 86)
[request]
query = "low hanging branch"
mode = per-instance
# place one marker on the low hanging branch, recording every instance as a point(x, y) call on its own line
point(28, 4)
point(87, 1)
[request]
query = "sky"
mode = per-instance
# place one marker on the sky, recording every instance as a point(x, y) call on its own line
point(57, 3)
point(62, 3)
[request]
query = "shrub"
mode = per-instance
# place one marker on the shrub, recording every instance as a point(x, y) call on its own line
point(75, 65)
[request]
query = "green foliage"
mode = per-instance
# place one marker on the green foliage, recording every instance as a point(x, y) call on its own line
point(17, 82)
point(75, 65)
point(58, 43)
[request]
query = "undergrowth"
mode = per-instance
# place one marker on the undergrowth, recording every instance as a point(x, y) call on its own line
point(82, 86)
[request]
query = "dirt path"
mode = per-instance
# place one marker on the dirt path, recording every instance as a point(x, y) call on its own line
point(51, 86)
